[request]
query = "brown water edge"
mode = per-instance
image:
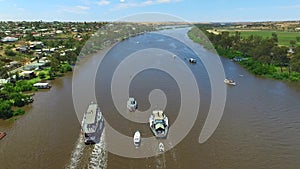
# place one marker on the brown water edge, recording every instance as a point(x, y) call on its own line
point(43, 137)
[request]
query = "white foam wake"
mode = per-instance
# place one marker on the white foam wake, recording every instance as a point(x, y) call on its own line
point(98, 158)
point(77, 153)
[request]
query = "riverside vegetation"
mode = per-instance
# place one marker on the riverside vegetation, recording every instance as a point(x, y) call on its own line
point(262, 55)
point(60, 43)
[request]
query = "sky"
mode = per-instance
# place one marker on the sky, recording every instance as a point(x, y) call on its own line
point(186, 10)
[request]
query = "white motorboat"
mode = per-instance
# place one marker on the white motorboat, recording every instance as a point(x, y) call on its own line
point(161, 147)
point(230, 82)
point(159, 124)
point(131, 104)
point(137, 139)
point(192, 60)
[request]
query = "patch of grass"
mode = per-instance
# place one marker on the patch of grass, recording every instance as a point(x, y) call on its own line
point(34, 80)
point(198, 36)
point(284, 38)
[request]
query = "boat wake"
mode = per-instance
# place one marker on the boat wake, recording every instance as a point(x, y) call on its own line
point(98, 158)
point(91, 156)
point(77, 153)
point(161, 161)
point(173, 153)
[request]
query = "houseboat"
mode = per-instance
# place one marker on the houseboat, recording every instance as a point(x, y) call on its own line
point(42, 85)
point(92, 124)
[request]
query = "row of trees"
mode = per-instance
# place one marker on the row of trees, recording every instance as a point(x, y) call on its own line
point(11, 95)
point(265, 50)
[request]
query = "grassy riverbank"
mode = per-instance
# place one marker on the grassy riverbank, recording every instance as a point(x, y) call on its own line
point(262, 64)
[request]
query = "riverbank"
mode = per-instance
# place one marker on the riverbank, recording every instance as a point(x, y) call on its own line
point(13, 96)
point(256, 67)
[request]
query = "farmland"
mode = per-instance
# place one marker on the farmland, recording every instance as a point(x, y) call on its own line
point(284, 37)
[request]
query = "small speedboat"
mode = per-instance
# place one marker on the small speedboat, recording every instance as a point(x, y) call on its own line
point(161, 147)
point(137, 139)
point(131, 104)
point(192, 60)
point(230, 82)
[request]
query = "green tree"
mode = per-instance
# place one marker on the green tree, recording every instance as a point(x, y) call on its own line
point(295, 62)
point(42, 75)
point(9, 52)
point(23, 85)
point(54, 63)
point(274, 37)
point(280, 56)
point(5, 110)
point(29, 37)
point(292, 43)
point(18, 112)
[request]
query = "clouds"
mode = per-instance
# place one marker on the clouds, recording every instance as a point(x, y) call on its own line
point(296, 6)
point(75, 9)
point(131, 4)
point(103, 2)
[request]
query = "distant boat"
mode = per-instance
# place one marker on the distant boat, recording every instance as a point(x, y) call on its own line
point(92, 124)
point(230, 82)
point(159, 124)
point(137, 139)
point(161, 147)
point(2, 135)
point(131, 104)
point(192, 60)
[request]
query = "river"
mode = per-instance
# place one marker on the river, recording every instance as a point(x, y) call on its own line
point(260, 126)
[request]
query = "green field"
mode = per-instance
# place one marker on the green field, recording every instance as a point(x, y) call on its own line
point(284, 38)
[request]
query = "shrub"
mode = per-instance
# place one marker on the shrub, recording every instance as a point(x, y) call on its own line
point(5, 110)
point(9, 52)
point(18, 112)
point(42, 75)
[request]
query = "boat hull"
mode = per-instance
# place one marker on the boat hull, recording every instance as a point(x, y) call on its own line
point(230, 82)
point(137, 139)
point(161, 147)
point(131, 104)
point(131, 108)
point(160, 135)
